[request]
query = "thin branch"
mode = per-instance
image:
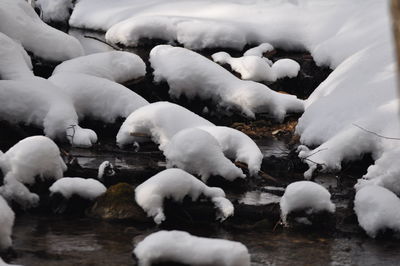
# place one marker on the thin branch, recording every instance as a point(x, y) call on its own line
point(99, 40)
point(374, 133)
point(314, 153)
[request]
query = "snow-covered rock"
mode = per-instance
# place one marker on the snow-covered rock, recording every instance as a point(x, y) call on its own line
point(7, 217)
point(160, 121)
point(105, 169)
point(176, 184)
point(116, 66)
point(15, 63)
point(237, 146)
point(181, 247)
point(259, 50)
point(305, 195)
point(85, 188)
point(19, 21)
point(198, 152)
point(285, 68)
point(97, 98)
point(377, 209)
point(38, 102)
point(190, 74)
point(249, 67)
point(55, 10)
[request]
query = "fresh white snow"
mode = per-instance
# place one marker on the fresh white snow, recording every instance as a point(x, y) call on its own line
point(190, 74)
point(198, 152)
point(86, 188)
point(377, 209)
point(19, 21)
point(259, 50)
point(181, 247)
point(305, 195)
point(176, 184)
point(7, 217)
point(285, 68)
point(55, 10)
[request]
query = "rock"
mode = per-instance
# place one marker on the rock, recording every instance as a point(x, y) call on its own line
point(118, 203)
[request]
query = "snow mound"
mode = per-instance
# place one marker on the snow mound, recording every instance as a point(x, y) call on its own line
point(286, 68)
point(305, 195)
point(192, 33)
point(86, 188)
point(259, 50)
point(19, 21)
point(7, 217)
point(98, 98)
point(38, 102)
point(116, 66)
point(32, 157)
point(55, 10)
point(177, 184)
point(181, 247)
point(190, 74)
point(160, 121)
point(197, 152)
point(249, 67)
point(15, 63)
point(377, 209)
point(237, 146)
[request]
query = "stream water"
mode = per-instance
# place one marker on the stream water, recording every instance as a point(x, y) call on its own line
point(59, 240)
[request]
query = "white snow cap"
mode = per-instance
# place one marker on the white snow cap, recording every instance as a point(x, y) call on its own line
point(177, 184)
point(181, 247)
point(7, 217)
point(15, 63)
point(249, 67)
point(377, 209)
point(19, 21)
point(198, 152)
point(55, 10)
point(86, 188)
point(36, 156)
point(190, 74)
point(160, 121)
point(116, 66)
point(286, 68)
point(97, 98)
point(259, 50)
point(305, 195)
point(38, 102)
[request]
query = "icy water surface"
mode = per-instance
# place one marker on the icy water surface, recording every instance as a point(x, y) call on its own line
point(45, 241)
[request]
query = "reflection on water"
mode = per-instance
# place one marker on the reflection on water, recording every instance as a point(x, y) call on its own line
point(259, 198)
point(80, 241)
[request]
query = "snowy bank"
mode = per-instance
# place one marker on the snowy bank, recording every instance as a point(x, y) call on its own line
point(190, 74)
point(7, 217)
point(86, 188)
point(305, 195)
point(181, 247)
point(377, 209)
point(19, 21)
point(176, 184)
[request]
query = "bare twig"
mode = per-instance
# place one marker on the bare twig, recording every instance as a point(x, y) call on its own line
point(99, 40)
point(314, 153)
point(73, 133)
point(374, 133)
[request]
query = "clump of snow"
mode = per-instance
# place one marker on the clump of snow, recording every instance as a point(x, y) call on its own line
point(15, 63)
point(96, 97)
point(177, 184)
point(7, 217)
point(55, 10)
point(160, 121)
point(86, 188)
point(259, 50)
point(181, 247)
point(286, 68)
point(377, 209)
point(305, 195)
point(116, 66)
point(198, 152)
point(190, 74)
point(105, 169)
point(237, 146)
point(38, 102)
point(249, 67)
point(19, 21)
